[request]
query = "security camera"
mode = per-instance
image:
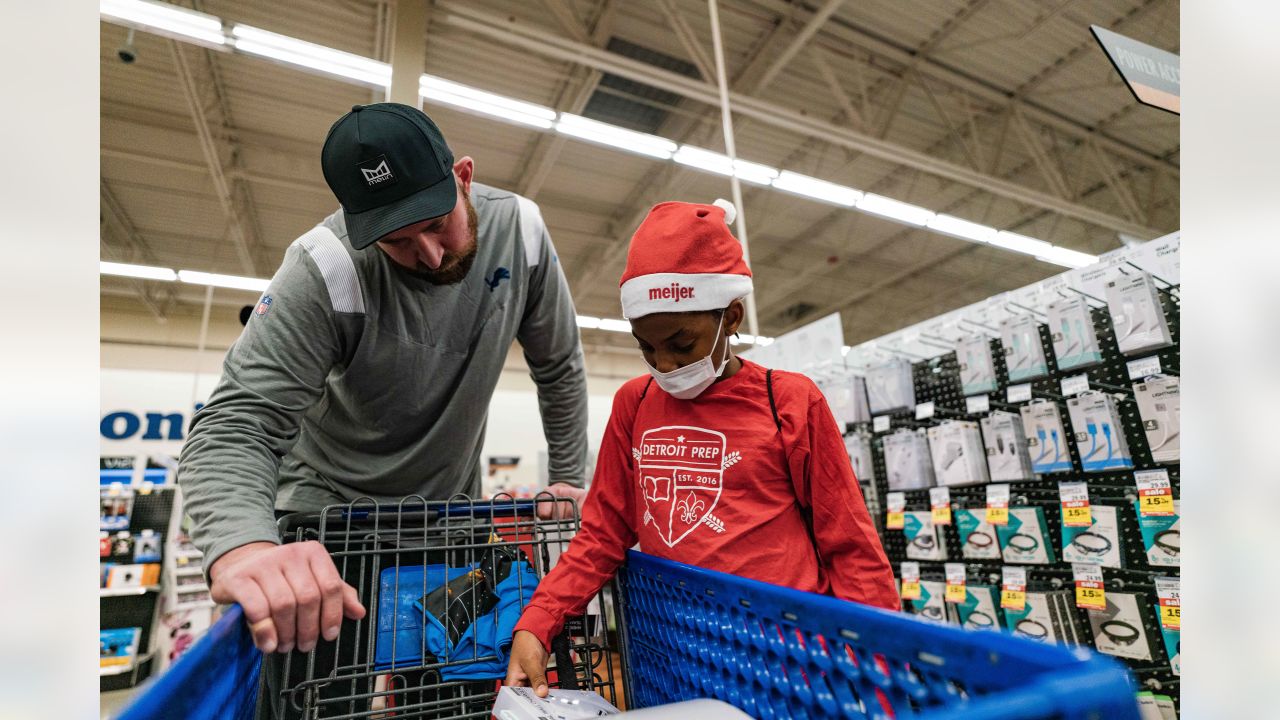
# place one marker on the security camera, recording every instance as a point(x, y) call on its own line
point(127, 52)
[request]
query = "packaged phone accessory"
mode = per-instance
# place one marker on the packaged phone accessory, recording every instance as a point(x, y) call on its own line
point(931, 605)
point(907, 461)
point(1023, 351)
point(858, 445)
point(1099, 432)
point(958, 455)
point(1025, 540)
point(1136, 314)
point(977, 368)
point(1160, 406)
point(1119, 630)
point(1161, 536)
point(1034, 620)
point(1099, 543)
point(890, 388)
point(977, 537)
point(925, 540)
point(1046, 437)
point(1006, 447)
point(980, 609)
point(1075, 344)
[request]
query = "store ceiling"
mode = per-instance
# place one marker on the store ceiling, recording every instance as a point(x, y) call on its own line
point(1016, 91)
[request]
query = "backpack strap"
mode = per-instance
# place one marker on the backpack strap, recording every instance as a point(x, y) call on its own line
point(645, 391)
point(773, 406)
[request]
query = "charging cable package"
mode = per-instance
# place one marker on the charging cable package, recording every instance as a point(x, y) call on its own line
point(1023, 352)
point(1034, 620)
point(977, 536)
point(1025, 540)
point(1066, 619)
point(958, 455)
point(1161, 536)
point(846, 395)
point(980, 609)
point(907, 461)
point(1119, 630)
point(858, 445)
point(1099, 543)
point(1075, 344)
point(1046, 438)
point(1136, 314)
point(977, 368)
point(1006, 447)
point(1160, 406)
point(890, 388)
point(931, 605)
point(1099, 432)
point(924, 540)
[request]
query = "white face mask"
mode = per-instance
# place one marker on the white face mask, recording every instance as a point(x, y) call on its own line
point(688, 382)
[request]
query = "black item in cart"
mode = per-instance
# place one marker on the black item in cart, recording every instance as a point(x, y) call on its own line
point(443, 583)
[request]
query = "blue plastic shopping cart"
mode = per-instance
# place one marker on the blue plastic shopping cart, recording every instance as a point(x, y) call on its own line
point(687, 633)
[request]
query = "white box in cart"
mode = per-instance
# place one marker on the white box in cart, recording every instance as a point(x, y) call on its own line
point(521, 703)
point(958, 455)
point(1006, 447)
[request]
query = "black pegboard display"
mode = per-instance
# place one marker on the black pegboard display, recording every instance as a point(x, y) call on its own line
point(938, 381)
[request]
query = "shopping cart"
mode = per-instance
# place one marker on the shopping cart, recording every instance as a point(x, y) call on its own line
point(685, 633)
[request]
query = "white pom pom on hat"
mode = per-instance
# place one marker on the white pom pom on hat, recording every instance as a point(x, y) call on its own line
point(730, 212)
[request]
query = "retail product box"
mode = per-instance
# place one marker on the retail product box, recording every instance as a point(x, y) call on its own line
point(977, 537)
point(1023, 351)
point(907, 461)
point(1006, 447)
point(977, 368)
point(1119, 630)
point(980, 609)
point(1025, 540)
point(1034, 620)
point(1136, 314)
point(1161, 536)
point(1046, 437)
point(1075, 344)
point(118, 647)
point(1099, 433)
point(846, 395)
point(890, 388)
point(521, 703)
point(1099, 543)
point(116, 502)
point(146, 547)
point(958, 455)
point(931, 605)
point(925, 540)
point(858, 445)
point(1160, 406)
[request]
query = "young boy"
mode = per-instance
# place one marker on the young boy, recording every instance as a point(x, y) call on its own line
point(710, 460)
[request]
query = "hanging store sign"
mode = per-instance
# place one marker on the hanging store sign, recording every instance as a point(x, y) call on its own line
point(1153, 75)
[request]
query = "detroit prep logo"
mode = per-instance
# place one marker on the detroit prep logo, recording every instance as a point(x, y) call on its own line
point(681, 472)
point(264, 306)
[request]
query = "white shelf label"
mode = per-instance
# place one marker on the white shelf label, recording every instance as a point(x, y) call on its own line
point(1014, 576)
point(880, 423)
point(1144, 367)
point(924, 410)
point(976, 404)
point(1086, 573)
point(896, 501)
point(1020, 393)
point(1075, 384)
point(911, 571)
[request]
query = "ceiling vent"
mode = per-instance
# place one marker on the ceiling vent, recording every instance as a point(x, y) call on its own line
point(632, 105)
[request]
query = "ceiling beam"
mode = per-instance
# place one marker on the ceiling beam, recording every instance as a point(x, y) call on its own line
point(140, 251)
point(688, 39)
point(811, 26)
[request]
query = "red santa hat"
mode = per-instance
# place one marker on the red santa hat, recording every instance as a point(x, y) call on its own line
point(683, 259)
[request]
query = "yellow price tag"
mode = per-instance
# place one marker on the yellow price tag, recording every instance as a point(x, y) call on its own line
point(1170, 616)
point(1013, 599)
point(942, 515)
point(910, 590)
point(954, 593)
point(1156, 504)
point(895, 520)
point(1090, 596)
point(997, 515)
point(1077, 516)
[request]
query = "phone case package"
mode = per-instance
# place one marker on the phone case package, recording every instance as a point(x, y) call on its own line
point(907, 461)
point(924, 539)
point(1075, 344)
point(1046, 438)
point(1025, 540)
point(858, 446)
point(958, 455)
point(1136, 314)
point(1006, 447)
point(1160, 407)
point(1099, 433)
point(890, 388)
point(977, 368)
point(1023, 351)
point(1099, 543)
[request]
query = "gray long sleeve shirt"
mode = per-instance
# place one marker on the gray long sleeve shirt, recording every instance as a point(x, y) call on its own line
point(357, 378)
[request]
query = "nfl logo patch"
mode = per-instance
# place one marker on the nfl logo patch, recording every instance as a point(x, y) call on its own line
point(264, 305)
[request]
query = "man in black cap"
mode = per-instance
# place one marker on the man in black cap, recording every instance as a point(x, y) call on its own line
point(366, 367)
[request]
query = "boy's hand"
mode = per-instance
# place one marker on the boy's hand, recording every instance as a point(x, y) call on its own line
point(561, 510)
point(528, 666)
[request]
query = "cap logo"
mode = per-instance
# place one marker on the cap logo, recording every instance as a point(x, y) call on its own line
point(376, 172)
point(674, 291)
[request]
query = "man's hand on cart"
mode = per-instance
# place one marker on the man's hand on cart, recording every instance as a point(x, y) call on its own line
point(528, 664)
point(557, 510)
point(291, 594)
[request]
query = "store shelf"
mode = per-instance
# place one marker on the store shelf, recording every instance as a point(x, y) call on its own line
point(122, 592)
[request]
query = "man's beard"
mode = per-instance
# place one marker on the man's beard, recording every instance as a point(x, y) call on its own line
point(454, 266)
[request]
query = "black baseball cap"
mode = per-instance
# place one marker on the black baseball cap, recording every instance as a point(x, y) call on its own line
point(390, 167)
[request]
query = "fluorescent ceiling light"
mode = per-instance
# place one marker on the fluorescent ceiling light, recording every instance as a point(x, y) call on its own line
point(437, 89)
point(894, 209)
point(255, 41)
point(165, 19)
point(844, 350)
point(815, 188)
point(588, 322)
point(614, 136)
point(1020, 243)
point(952, 225)
point(717, 163)
point(1067, 258)
point(615, 325)
point(234, 282)
point(144, 272)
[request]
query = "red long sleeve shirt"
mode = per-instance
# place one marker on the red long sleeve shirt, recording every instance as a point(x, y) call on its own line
point(712, 482)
